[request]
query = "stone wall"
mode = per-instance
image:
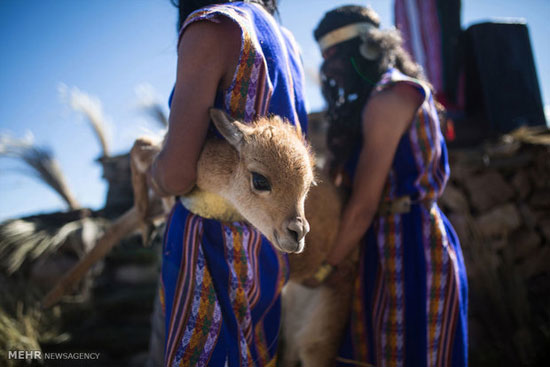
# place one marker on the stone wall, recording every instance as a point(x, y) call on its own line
point(498, 200)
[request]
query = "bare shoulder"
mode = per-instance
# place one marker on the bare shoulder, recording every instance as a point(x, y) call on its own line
point(392, 109)
point(399, 104)
point(221, 30)
point(400, 96)
point(211, 44)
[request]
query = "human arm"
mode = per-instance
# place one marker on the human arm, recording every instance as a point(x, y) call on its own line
point(385, 119)
point(208, 54)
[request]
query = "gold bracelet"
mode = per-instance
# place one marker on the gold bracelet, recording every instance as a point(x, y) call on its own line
point(323, 272)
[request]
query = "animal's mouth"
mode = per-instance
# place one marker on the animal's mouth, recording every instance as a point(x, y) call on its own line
point(287, 245)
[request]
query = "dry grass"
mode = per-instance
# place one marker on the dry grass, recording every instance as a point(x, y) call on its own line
point(26, 240)
point(92, 109)
point(538, 135)
point(42, 165)
point(23, 325)
point(148, 101)
point(157, 113)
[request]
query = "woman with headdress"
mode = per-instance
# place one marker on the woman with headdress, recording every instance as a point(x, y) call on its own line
point(410, 297)
point(221, 282)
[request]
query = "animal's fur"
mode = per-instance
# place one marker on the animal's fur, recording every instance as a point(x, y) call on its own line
point(142, 155)
point(268, 146)
point(314, 318)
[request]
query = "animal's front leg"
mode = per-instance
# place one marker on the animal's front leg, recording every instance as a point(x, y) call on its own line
point(296, 301)
point(142, 156)
point(320, 340)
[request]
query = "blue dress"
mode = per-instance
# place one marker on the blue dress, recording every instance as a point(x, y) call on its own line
point(221, 282)
point(410, 297)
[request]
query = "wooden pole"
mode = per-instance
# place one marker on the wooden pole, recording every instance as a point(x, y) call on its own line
point(124, 225)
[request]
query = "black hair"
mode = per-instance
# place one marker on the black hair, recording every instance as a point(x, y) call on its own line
point(344, 15)
point(186, 7)
point(346, 102)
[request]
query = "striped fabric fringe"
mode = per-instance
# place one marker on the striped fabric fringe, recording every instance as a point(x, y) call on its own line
point(418, 22)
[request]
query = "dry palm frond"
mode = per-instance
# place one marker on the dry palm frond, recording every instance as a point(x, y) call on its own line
point(91, 107)
point(149, 102)
point(41, 161)
point(26, 240)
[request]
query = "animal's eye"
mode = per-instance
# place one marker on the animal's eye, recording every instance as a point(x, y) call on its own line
point(260, 183)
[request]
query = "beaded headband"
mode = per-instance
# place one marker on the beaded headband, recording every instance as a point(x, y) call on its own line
point(343, 34)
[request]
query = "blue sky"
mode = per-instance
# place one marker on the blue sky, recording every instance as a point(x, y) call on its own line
point(108, 48)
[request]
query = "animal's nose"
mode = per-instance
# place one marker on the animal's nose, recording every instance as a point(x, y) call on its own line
point(298, 228)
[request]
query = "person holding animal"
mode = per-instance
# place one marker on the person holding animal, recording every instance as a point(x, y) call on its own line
point(409, 303)
point(221, 281)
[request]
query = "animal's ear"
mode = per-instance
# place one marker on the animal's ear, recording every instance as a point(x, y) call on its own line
point(231, 129)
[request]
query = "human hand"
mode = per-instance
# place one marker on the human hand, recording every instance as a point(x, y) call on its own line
point(319, 277)
point(332, 276)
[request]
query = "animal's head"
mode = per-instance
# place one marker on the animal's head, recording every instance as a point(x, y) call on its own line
point(273, 175)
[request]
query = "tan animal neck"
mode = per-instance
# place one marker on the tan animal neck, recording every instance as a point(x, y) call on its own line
point(215, 168)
